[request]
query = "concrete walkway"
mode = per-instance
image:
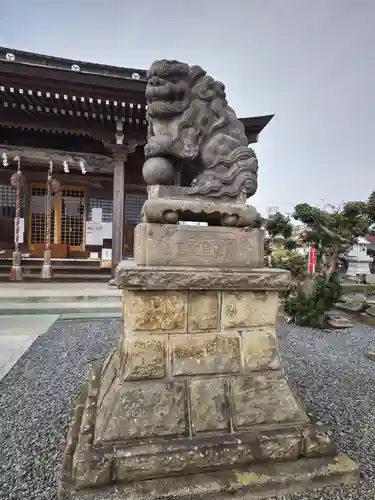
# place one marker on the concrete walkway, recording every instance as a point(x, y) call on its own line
point(74, 299)
point(54, 290)
point(28, 310)
point(17, 333)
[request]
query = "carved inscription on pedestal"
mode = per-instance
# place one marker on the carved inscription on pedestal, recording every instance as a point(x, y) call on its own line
point(155, 312)
point(263, 399)
point(136, 411)
point(203, 311)
point(208, 249)
point(181, 245)
point(248, 309)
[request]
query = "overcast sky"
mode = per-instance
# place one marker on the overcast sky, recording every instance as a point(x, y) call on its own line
point(310, 62)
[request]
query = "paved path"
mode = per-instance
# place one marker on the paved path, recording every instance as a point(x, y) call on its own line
point(17, 333)
point(22, 290)
point(28, 310)
point(81, 300)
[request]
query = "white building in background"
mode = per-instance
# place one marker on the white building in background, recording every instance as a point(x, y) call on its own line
point(272, 210)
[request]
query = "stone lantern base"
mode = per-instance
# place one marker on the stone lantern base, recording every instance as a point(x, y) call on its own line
point(194, 402)
point(358, 266)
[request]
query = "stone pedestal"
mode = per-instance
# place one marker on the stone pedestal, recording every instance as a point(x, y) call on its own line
point(194, 402)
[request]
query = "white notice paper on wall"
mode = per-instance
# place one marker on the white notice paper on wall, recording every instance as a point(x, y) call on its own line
point(107, 254)
point(94, 233)
point(107, 230)
point(96, 214)
point(22, 230)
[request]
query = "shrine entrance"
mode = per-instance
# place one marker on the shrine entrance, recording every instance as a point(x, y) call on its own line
point(67, 220)
point(71, 216)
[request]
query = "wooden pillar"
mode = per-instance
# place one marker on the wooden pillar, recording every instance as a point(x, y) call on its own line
point(118, 209)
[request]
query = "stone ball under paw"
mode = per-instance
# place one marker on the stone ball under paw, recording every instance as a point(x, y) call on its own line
point(229, 220)
point(170, 217)
point(158, 171)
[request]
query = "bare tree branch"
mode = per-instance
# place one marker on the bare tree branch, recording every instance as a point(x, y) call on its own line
point(329, 233)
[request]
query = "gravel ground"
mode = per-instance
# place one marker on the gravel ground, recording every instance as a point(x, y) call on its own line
point(335, 380)
point(36, 400)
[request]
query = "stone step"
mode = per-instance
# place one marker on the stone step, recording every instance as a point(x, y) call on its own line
point(35, 268)
point(81, 298)
point(63, 268)
point(112, 307)
point(367, 318)
point(38, 262)
point(58, 276)
point(68, 270)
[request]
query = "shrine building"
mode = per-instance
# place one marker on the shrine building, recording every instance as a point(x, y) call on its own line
point(87, 122)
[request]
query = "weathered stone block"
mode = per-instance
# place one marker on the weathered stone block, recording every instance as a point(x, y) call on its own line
point(259, 348)
point(109, 373)
point(266, 481)
point(209, 405)
point(335, 320)
point(150, 311)
point(92, 467)
point(158, 278)
point(185, 456)
point(203, 311)
point(368, 319)
point(244, 309)
point(184, 245)
point(178, 203)
point(141, 411)
point(282, 446)
point(145, 357)
point(263, 399)
point(205, 353)
point(317, 442)
point(371, 311)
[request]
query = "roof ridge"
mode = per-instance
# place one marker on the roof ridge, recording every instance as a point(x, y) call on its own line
point(36, 59)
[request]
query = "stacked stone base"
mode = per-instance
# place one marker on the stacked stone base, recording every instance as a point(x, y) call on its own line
point(193, 402)
point(272, 460)
point(255, 482)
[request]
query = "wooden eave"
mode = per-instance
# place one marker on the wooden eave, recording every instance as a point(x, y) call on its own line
point(254, 126)
point(43, 92)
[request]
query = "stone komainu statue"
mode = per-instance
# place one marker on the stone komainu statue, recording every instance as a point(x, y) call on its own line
point(192, 130)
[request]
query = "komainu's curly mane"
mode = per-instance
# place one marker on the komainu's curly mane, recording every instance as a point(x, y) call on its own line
point(190, 122)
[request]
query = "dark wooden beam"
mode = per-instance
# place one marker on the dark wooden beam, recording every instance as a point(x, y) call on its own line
point(68, 124)
point(65, 125)
point(94, 162)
